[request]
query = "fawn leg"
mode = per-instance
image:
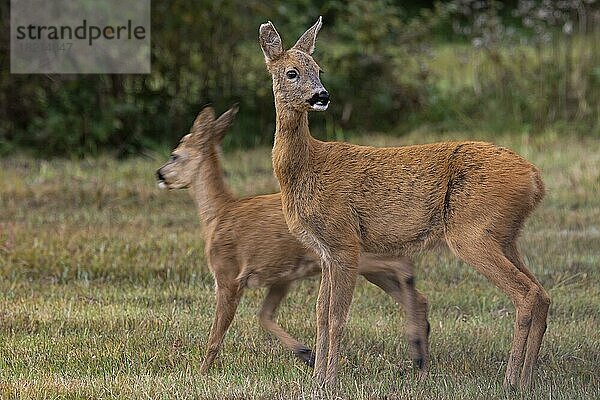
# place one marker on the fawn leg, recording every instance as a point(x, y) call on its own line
point(227, 302)
point(417, 331)
point(415, 306)
point(275, 295)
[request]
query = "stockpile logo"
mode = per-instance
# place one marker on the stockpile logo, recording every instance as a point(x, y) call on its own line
point(80, 36)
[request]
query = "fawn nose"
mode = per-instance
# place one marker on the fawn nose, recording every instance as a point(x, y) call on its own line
point(159, 175)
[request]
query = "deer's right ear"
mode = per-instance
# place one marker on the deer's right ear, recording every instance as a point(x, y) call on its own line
point(270, 41)
point(203, 123)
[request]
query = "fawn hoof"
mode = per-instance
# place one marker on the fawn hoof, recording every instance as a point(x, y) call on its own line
point(306, 355)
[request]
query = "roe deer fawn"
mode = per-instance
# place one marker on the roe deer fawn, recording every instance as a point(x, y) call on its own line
point(341, 199)
point(247, 244)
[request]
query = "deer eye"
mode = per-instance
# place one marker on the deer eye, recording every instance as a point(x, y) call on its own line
point(292, 74)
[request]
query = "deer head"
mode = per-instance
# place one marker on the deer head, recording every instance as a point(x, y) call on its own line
point(195, 148)
point(296, 82)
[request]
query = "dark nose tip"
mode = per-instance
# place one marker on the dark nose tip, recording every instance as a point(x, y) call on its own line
point(324, 95)
point(159, 175)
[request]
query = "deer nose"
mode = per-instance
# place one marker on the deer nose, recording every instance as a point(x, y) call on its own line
point(319, 100)
point(324, 95)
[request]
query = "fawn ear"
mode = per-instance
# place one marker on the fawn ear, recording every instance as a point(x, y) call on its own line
point(224, 122)
point(270, 41)
point(306, 43)
point(203, 124)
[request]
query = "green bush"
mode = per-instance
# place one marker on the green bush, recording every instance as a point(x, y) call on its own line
point(539, 73)
point(459, 65)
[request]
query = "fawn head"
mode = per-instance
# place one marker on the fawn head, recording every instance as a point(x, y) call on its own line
point(296, 82)
point(194, 149)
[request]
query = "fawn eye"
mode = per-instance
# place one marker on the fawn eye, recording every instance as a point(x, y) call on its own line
point(292, 74)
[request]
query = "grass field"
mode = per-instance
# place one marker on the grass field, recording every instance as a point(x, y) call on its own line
point(105, 293)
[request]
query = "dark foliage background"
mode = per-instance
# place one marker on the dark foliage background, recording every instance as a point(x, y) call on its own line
point(523, 66)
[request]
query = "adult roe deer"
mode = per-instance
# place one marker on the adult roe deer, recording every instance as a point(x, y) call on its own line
point(341, 199)
point(247, 244)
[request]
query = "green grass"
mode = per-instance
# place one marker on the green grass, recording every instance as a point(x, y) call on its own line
point(105, 293)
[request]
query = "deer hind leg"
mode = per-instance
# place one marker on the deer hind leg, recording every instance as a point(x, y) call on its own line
point(227, 302)
point(275, 295)
point(400, 286)
point(538, 319)
point(343, 271)
point(488, 258)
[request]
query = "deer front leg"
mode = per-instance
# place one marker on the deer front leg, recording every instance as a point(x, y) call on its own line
point(228, 299)
point(343, 270)
point(275, 295)
point(322, 346)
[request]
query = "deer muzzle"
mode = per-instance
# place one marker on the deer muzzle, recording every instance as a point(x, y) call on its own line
point(320, 100)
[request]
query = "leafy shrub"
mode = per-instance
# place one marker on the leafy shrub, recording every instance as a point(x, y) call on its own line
point(533, 67)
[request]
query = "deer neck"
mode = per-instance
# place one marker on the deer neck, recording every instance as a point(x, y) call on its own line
point(208, 188)
point(292, 147)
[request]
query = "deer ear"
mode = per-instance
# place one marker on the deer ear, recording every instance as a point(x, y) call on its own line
point(306, 43)
point(224, 122)
point(270, 41)
point(203, 124)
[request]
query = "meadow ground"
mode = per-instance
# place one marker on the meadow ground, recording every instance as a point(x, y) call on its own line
point(105, 293)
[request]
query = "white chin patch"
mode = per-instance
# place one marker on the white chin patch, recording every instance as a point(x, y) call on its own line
point(320, 107)
point(162, 185)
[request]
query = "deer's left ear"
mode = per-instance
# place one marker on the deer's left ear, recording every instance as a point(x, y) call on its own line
point(203, 125)
point(306, 43)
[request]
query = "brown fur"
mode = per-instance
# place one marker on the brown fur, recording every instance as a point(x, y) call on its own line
point(247, 244)
point(342, 199)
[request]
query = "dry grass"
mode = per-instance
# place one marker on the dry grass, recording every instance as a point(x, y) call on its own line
point(104, 292)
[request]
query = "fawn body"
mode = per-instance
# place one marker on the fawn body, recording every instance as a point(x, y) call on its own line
point(342, 199)
point(247, 244)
